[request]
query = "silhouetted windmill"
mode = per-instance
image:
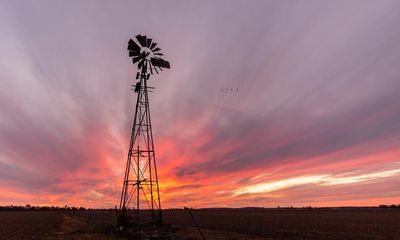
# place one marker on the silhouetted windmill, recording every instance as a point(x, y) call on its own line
point(140, 191)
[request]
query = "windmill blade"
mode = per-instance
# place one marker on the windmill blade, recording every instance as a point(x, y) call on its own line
point(142, 40)
point(153, 45)
point(151, 68)
point(155, 69)
point(132, 46)
point(157, 49)
point(158, 62)
point(133, 53)
point(136, 59)
point(140, 65)
point(149, 41)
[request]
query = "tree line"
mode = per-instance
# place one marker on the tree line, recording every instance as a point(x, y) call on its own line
point(28, 207)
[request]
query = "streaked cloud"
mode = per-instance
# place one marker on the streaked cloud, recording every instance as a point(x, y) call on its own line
point(317, 180)
point(281, 184)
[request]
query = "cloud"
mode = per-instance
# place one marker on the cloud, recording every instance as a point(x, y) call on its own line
point(324, 180)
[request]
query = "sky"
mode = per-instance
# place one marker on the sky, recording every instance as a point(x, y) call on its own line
point(314, 118)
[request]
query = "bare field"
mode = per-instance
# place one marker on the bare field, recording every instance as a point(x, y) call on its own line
point(29, 224)
point(50, 225)
point(285, 224)
point(279, 224)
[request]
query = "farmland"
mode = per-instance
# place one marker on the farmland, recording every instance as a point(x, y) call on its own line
point(284, 224)
point(29, 225)
point(352, 223)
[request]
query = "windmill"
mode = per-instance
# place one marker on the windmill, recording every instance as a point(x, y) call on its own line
point(140, 197)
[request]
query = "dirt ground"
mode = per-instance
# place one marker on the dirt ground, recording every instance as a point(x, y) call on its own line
point(259, 224)
point(60, 226)
point(28, 224)
point(298, 224)
point(191, 233)
point(73, 228)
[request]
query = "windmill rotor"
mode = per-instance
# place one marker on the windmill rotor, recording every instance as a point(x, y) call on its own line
point(146, 55)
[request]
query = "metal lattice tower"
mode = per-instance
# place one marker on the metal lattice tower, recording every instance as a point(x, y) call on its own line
point(140, 197)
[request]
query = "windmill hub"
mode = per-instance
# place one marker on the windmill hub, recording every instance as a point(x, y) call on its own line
point(148, 52)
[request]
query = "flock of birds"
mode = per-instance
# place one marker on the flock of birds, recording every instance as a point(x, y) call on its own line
point(229, 90)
